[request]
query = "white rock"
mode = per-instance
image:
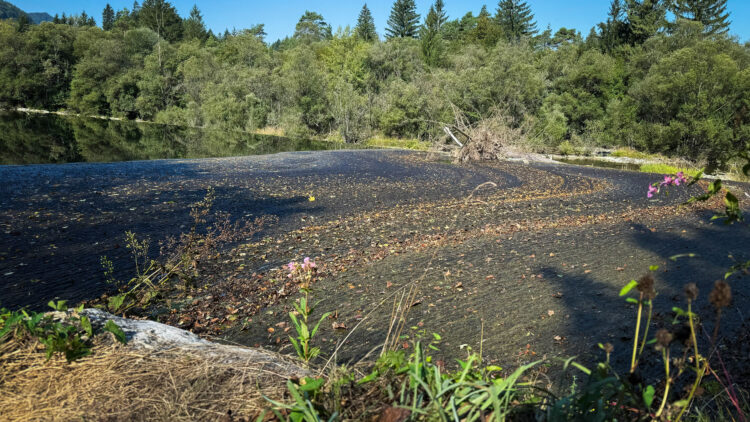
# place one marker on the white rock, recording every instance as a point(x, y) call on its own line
point(152, 335)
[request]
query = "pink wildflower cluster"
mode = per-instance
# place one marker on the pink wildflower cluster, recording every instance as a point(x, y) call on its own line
point(676, 180)
point(306, 266)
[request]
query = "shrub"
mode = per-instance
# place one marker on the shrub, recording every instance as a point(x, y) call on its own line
point(566, 148)
point(631, 153)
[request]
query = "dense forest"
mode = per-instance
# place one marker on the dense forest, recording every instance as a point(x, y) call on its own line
point(656, 75)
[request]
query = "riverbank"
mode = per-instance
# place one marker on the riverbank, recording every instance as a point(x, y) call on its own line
point(513, 250)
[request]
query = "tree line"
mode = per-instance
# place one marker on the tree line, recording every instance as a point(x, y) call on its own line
point(638, 79)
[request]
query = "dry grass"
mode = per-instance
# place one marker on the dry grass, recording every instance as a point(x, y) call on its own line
point(388, 142)
point(270, 130)
point(117, 383)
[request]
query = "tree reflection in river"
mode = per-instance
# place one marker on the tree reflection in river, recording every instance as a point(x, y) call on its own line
point(46, 138)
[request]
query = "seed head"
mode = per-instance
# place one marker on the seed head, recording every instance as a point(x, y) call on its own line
point(609, 348)
point(663, 338)
point(691, 291)
point(646, 286)
point(721, 295)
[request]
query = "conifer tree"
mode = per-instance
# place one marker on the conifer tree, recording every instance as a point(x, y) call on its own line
point(442, 17)
point(365, 29)
point(486, 31)
point(645, 18)
point(23, 22)
point(84, 20)
point(108, 18)
point(515, 19)
point(136, 9)
point(162, 18)
point(312, 27)
point(193, 26)
point(404, 20)
point(711, 13)
point(613, 32)
point(432, 42)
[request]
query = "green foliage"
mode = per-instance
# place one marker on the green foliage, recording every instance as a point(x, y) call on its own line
point(312, 27)
point(102, 57)
point(414, 144)
point(613, 32)
point(71, 336)
point(193, 26)
point(631, 153)
point(178, 260)
point(431, 39)
point(113, 328)
point(645, 18)
point(515, 19)
point(108, 18)
point(691, 102)
point(667, 169)
point(365, 29)
point(552, 125)
point(566, 148)
point(732, 212)
point(637, 81)
point(483, 30)
point(711, 13)
point(403, 21)
point(302, 409)
point(36, 66)
point(302, 344)
point(416, 383)
point(161, 17)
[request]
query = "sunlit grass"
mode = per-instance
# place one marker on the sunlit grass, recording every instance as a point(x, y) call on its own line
point(384, 141)
point(631, 153)
point(270, 130)
point(667, 169)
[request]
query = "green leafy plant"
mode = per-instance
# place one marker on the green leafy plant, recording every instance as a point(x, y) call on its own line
point(70, 337)
point(179, 259)
point(471, 393)
point(302, 274)
point(303, 343)
point(607, 396)
point(302, 408)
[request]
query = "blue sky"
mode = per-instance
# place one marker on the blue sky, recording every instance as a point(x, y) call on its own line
point(280, 17)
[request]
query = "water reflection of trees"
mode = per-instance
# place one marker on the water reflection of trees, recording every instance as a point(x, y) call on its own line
point(28, 139)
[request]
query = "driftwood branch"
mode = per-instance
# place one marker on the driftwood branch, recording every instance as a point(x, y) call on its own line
point(448, 131)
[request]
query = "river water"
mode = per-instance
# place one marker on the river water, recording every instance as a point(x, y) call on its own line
point(27, 138)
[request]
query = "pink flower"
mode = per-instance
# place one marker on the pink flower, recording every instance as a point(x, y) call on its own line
point(667, 180)
point(651, 191)
point(291, 265)
point(308, 264)
point(680, 178)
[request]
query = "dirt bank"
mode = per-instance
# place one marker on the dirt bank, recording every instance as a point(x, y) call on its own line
point(535, 257)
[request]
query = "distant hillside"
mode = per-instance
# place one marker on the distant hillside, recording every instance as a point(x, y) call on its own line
point(9, 11)
point(39, 17)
